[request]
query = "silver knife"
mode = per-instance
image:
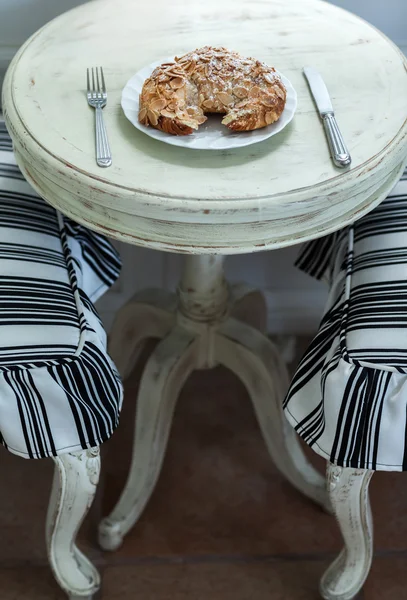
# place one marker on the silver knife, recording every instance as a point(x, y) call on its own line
point(339, 152)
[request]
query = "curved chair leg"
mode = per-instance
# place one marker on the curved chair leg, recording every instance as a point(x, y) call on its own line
point(348, 490)
point(74, 486)
point(256, 361)
point(166, 371)
point(149, 314)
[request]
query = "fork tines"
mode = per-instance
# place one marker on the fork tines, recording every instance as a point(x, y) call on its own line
point(98, 87)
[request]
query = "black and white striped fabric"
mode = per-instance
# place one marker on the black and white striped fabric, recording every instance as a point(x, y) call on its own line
point(59, 390)
point(348, 398)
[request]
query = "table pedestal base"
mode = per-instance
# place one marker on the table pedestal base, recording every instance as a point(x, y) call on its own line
point(198, 330)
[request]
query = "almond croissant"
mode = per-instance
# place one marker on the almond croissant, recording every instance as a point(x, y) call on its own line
point(177, 95)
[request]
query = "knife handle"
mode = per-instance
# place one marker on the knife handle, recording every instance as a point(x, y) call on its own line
point(339, 151)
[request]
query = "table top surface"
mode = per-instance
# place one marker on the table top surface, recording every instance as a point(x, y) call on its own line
point(364, 72)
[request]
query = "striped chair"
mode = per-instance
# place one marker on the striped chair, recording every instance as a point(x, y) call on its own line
point(348, 398)
point(60, 394)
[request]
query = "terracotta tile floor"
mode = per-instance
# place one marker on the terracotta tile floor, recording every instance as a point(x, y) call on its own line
point(222, 523)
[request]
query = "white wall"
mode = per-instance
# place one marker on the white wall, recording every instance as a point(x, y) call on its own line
point(20, 18)
point(295, 301)
point(390, 16)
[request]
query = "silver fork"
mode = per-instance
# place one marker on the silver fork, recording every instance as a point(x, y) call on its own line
point(97, 99)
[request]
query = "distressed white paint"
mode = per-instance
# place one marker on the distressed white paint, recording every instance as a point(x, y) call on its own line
point(74, 486)
point(200, 331)
point(272, 195)
point(295, 301)
point(349, 489)
point(349, 493)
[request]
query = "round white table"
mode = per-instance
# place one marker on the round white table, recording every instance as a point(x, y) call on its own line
point(206, 204)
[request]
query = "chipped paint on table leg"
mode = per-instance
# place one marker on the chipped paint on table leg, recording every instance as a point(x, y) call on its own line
point(199, 333)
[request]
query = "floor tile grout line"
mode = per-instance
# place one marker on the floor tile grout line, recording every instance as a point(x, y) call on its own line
point(105, 560)
point(212, 559)
point(236, 559)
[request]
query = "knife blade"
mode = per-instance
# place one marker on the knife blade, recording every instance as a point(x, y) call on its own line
point(339, 152)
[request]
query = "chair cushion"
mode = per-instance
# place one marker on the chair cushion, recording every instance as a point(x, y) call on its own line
point(348, 397)
point(59, 390)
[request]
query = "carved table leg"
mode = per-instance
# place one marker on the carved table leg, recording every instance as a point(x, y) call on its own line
point(348, 489)
point(200, 335)
point(74, 486)
point(167, 369)
point(149, 314)
point(256, 361)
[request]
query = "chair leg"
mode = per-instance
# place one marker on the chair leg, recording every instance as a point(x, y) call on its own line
point(74, 486)
point(348, 490)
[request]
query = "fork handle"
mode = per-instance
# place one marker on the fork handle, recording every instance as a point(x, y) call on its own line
point(103, 154)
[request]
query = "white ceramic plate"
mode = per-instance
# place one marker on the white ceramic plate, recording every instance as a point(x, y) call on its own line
point(212, 135)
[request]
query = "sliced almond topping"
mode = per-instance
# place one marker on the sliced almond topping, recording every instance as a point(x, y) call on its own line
point(240, 91)
point(241, 104)
point(168, 113)
point(190, 123)
point(179, 93)
point(254, 92)
point(158, 104)
point(269, 77)
point(225, 98)
point(232, 116)
point(175, 75)
point(279, 92)
point(208, 104)
point(211, 79)
point(268, 100)
point(191, 66)
point(152, 117)
point(142, 114)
